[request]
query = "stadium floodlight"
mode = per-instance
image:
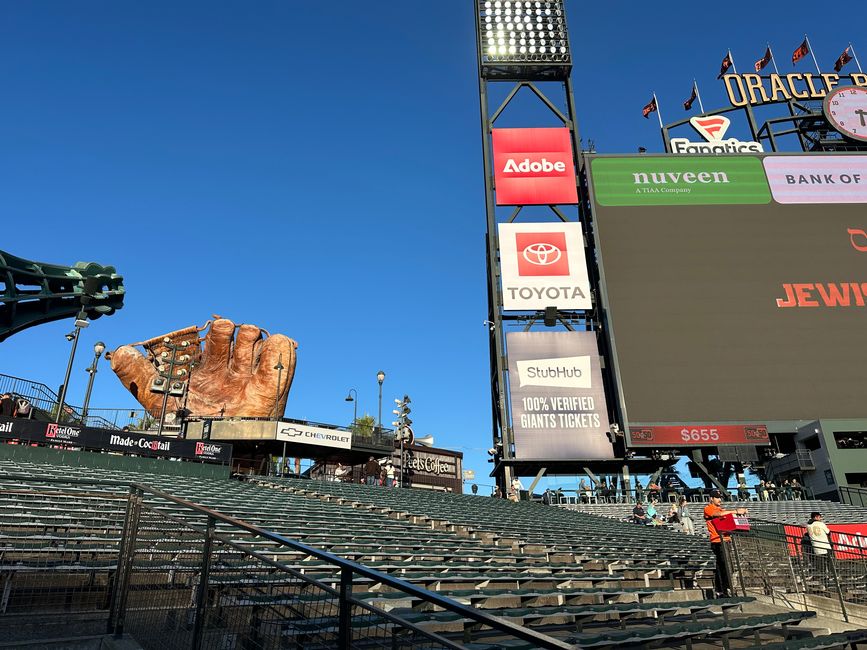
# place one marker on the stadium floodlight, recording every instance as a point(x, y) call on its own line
point(520, 39)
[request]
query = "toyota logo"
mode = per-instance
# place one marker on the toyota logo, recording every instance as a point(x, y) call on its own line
point(542, 254)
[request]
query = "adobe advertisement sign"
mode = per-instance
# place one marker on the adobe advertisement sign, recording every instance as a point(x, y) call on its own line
point(698, 435)
point(534, 167)
point(308, 435)
point(722, 314)
point(112, 440)
point(543, 265)
point(556, 396)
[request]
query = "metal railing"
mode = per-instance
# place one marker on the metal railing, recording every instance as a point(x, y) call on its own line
point(772, 560)
point(853, 496)
point(798, 460)
point(175, 574)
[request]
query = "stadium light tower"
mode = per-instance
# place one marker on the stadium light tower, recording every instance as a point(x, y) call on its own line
point(524, 44)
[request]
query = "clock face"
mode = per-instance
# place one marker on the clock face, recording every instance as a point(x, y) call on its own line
point(846, 110)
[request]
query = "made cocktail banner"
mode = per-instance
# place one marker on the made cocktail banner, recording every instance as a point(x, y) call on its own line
point(679, 180)
point(557, 397)
point(140, 444)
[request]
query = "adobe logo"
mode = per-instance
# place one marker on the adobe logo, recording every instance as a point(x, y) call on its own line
point(534, 167)
point(542, 253)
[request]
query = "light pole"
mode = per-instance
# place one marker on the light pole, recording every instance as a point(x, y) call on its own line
point(279, 368)
point(168, 382)
point(380, 377)
point(80, 324)
point(350, 398)
point(98, 349)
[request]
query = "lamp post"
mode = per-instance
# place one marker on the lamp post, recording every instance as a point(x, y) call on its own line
point(279, 368)
point(380, 377)
point(80, 324)
point(168, 383)
point(98, 349)
point(350, 398)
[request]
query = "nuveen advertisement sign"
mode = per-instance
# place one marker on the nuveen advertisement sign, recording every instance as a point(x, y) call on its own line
point(556, 394)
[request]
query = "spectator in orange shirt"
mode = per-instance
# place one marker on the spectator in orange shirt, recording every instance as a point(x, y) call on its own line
point(713, 511)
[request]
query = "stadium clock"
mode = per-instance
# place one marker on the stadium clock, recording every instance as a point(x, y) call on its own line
point(846, 110)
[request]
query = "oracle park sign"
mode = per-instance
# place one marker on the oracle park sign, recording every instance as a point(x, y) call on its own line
point(735, 289)
point(140, 444)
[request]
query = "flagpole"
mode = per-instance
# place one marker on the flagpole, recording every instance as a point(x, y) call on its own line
point(855, 56)
point(773, 59)
point(658, 112)
point(732, 59)
point(698, 96)
point(812, 53)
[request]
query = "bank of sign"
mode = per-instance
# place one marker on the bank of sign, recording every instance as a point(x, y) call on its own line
point(534, 167)
point(556, 395)
point(307, 435)
point(543, 265)
point(713, 129)
point(680, 180)
point(813, 179)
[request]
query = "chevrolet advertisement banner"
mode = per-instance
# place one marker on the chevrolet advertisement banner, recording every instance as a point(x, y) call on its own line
point(556, 395)
point(543, 265)
point(309, 435)
point(735, 286)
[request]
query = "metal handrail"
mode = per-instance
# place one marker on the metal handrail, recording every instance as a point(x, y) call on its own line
point(847, 492)
point(496, 623)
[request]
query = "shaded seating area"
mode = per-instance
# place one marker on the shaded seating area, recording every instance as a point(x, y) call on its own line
point(586, 580)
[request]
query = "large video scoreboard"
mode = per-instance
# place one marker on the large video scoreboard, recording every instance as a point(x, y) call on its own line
point(735, 287)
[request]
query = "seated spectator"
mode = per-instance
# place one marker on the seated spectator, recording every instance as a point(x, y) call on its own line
point(743, 491)
point(639, 514)
point(788, 492)
point(584, 491)
point(797, 489)
point(652, 512)
point(652, 491)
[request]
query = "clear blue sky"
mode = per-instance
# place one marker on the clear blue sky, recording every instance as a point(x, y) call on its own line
point(313, 168)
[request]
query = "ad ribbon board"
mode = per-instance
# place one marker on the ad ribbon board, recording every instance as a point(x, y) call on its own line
point(307, 435)
point(556, 395)
point(695, 435)
point(49, 433)
point(543, 265)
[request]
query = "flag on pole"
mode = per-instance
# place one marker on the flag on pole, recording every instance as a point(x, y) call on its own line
point(843, 60)
point(688, 103)
point(726, 64)
point(765, 60)
point(802, 51)
point(649, 108)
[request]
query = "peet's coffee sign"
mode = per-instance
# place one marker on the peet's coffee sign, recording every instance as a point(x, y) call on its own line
point(754, 90)
point(109, 440)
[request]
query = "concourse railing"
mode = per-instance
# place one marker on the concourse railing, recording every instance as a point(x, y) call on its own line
point(775, 561)
point(129, 558)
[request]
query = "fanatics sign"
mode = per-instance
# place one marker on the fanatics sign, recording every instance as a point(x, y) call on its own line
point(543, 265)
point(534, 167)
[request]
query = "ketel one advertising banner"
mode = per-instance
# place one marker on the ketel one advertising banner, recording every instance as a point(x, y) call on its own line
point(534, 167)
point(543, 265)
point(557, 398)
point(307, 435)
point(140, 444)
point(712, 128)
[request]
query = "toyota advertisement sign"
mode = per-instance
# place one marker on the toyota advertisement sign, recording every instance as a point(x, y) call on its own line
point(534, 167)
point(557, 399)
point(543, 265)
point(735, 289)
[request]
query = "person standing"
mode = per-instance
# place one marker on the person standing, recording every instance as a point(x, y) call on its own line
point(686, 521)
point(372, 470)
point(639, 491)
point(7, 405)
point(819, 534)
point(713, 511)
point(583, 491)
point(389, 474)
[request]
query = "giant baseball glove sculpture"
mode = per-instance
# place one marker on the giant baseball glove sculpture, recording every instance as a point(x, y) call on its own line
point(233, 375)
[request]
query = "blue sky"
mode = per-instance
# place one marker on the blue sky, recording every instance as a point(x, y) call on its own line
point(313, 168)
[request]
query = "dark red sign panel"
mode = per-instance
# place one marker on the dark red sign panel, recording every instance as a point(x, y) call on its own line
point(694, 435)
point(849, 541)
point(534, 167)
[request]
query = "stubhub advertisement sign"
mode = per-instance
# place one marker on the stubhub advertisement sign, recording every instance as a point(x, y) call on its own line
point(556, 395)
point(534, 167)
